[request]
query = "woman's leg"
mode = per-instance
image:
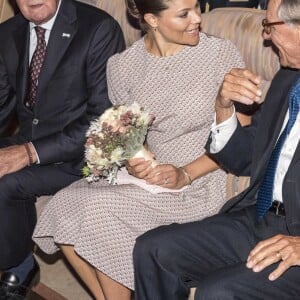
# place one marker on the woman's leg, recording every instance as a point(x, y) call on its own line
point(113, 289)
point(86, 272)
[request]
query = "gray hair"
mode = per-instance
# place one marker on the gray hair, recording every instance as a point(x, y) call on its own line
point(289, 11)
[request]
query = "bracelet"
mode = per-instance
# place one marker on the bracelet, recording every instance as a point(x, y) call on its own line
point(29, 154)
point(186, 174)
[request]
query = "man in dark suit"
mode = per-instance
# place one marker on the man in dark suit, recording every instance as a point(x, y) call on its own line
point(55, 84)
point(251, 250)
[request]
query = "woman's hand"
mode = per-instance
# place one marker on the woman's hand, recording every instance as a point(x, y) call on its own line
point(139, 167)
point(168, 176)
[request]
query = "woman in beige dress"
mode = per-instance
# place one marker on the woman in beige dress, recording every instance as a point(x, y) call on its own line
point(175, 72)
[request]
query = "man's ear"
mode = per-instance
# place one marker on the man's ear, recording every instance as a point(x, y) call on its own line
point(151, 20)
point(297, 28)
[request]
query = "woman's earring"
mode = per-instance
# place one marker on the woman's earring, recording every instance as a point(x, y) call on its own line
point(154, 28)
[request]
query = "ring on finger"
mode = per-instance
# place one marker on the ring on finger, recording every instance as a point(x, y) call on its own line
point(278, 255)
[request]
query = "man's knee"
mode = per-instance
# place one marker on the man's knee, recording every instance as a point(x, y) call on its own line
point(154, 243)
point(11, 188)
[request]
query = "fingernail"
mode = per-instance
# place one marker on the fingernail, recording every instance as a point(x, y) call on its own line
point(259, 93)
point(272, 277)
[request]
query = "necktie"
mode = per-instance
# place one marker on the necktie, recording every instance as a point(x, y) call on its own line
point(36, 65)
point(265, 193)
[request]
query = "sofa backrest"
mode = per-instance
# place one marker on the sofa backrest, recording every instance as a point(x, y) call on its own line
point(6, 10)
point(117, 9)
point(243, 27)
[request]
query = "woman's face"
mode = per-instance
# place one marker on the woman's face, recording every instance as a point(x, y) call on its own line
point(180, 22)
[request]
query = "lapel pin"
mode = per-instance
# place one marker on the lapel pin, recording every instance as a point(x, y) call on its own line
point(66, 35)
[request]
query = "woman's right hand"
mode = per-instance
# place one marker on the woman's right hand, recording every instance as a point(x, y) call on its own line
point(139, 167)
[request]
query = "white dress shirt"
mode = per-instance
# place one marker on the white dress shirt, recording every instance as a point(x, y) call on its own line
point(222, 132)
point(33, 38)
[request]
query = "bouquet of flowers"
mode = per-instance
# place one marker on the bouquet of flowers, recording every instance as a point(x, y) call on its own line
point(116, 136)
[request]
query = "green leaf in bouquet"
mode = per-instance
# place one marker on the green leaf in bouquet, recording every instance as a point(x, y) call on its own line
point(86, 171)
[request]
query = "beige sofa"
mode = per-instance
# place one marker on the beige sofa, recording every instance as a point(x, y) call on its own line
point(243, 27)
point(6, 10)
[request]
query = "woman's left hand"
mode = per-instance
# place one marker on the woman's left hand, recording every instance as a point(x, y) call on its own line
point(168, 176)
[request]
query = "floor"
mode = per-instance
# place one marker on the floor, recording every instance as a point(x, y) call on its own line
point(58, 282)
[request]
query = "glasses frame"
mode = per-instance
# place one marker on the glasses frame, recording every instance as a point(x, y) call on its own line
point(267, 25)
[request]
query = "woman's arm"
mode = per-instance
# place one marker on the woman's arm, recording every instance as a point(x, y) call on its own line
point(170, 176)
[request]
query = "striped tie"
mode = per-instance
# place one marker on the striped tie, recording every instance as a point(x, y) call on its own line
point(265, 193)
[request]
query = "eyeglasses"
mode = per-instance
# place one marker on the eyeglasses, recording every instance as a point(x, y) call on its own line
point(267, 26)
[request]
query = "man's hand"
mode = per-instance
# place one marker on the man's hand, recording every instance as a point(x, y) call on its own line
point(239, 85)
point(280, 248)
point(12, 159)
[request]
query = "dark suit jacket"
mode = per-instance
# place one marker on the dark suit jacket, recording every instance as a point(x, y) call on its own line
point(249, 150)
point(72, 84)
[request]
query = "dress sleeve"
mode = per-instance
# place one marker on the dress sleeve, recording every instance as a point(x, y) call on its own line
point(228, 57)
point(118, 90)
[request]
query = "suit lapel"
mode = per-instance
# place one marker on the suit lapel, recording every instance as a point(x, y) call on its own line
point(61, 36)
point(269, 129)
point(21, 38)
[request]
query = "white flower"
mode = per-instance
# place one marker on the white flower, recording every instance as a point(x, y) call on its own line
point(108, 116)
point(144, 119)
point(117, 156)
point(102, 163)
point(92, 153)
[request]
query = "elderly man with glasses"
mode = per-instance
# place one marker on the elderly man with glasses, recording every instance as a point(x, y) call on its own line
point(251, 249)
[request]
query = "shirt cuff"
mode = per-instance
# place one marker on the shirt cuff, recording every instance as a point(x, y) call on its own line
point(37, 156)
point(222, 133)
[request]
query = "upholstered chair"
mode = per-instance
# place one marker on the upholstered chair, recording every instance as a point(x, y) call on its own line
point(117, 9)
point(6, 10)
point(243, 27)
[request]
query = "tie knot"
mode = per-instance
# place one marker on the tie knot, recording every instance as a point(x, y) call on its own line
point(40, 32)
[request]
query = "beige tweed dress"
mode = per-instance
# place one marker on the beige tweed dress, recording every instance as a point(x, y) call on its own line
point(103, 221)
